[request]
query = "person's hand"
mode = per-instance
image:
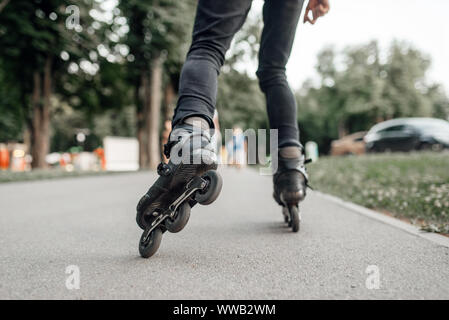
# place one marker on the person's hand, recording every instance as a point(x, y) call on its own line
point(318, 7)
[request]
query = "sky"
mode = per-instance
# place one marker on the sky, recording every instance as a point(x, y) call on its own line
point(424, 23)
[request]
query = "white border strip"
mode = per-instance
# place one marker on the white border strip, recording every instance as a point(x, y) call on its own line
point(434, 237)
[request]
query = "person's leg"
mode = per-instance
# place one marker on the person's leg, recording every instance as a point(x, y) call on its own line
point(290, 179)
point(191, 149)
point(280, 22)
point(216, 22)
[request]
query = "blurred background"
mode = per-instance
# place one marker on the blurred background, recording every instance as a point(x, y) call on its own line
point(90, 86)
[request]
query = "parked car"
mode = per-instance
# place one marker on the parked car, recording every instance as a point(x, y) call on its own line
point(350, 144)
point(407, 134)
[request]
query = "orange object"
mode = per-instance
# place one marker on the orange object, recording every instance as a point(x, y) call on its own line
point(4, 159)
point(100, 153)
point(348, 145)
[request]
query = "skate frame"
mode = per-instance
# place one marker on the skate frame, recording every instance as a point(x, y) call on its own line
point(197, 183)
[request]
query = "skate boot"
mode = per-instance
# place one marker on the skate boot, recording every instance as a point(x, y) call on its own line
point(290, 183)
point(188, 178)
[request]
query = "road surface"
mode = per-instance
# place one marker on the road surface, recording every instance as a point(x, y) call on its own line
point(237, 248)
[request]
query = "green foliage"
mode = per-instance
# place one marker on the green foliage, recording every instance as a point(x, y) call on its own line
point(32, 31)
point(64, 122)
point(157, 28)
point(11, 117)
point(240, 102)
point(411, 186)
point(107, 89)
point(68, 121)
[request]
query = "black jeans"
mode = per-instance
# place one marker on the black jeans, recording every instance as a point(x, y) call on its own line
point(216, 23)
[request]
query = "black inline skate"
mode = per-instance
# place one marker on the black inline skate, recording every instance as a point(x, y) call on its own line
point(290, 183)
point(187, 179)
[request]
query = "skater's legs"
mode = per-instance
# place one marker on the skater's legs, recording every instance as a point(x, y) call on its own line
point(216, 22)
point(191, 151)
point(280, 21)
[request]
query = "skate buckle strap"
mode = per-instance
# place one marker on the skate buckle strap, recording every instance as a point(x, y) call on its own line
point(168, 146)
point(306, 161)
point(163, 169)
point(298, 165)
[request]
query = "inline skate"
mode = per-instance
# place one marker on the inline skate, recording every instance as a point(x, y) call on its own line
point(290, 183)
point(188, 178)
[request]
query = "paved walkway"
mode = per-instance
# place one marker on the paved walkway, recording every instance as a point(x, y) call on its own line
point(237, 248)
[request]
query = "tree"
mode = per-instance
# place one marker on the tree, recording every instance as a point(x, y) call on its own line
point(39, 40)
point(97, 103)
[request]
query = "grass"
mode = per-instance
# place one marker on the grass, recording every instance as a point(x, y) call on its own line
point(411, 186)
point(9, 176)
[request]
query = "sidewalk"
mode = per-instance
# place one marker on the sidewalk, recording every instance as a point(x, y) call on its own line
point(237, 248)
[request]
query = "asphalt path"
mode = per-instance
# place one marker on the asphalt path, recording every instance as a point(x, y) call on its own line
point(236, 248)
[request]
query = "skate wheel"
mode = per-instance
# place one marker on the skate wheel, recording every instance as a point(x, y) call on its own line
point(294, 218)
point(149, 247)
point(210, 193)
point(143, 218)
point(180, 219)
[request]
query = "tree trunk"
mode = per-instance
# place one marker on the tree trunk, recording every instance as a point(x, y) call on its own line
point(150, 98)
point(41, 101)
point(35, 124)
point(47, 91)
point(140, 113)
point(141, 140)
point(139, 98)
point(169, 99)
point(145, 95)
point(27, 138)
point(154, 111)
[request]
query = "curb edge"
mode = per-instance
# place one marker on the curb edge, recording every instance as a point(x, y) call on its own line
point(409, 228)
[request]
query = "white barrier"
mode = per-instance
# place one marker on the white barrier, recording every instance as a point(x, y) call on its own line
point(121, 154)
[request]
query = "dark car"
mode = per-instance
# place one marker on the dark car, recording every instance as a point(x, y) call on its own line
point(407, 134)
